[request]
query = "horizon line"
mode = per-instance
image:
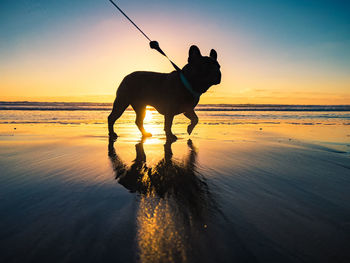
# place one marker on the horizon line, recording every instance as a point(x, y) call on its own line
point(200, 104)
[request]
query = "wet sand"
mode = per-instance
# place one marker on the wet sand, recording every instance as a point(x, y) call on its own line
point(242, 193)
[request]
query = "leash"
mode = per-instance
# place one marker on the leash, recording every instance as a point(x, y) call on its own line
point(155, 45)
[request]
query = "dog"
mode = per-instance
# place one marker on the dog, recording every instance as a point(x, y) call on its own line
point(169, 93)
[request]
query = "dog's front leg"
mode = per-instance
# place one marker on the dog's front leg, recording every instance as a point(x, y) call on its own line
point(168, 122)
point(194, 120)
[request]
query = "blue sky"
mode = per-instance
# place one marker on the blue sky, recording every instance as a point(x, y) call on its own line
point(287, 22)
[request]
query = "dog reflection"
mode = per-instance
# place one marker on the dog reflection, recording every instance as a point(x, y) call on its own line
point(168, 178)
point(174, 203)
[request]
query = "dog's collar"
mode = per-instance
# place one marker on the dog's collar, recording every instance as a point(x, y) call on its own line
point(188, 85)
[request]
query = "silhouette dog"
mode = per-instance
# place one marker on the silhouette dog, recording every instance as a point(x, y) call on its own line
point(166, 92)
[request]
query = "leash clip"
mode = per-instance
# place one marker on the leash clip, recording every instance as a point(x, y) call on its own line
point(155, 45)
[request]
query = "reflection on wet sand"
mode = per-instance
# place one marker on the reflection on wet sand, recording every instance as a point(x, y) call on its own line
point(175, 203)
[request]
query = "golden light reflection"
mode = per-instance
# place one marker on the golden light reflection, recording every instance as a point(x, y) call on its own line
point(160, 238)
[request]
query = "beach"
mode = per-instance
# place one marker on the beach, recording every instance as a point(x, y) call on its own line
point(249, 185)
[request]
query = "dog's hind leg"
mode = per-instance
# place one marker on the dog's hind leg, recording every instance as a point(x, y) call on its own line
point(119, 106)
point(140, 115)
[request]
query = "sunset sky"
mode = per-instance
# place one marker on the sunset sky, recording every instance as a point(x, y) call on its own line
point(283, 52)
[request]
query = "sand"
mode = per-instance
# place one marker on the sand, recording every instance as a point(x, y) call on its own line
point(232, 193)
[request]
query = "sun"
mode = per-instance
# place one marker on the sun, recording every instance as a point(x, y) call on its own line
point(148, 117)
point(152, 124)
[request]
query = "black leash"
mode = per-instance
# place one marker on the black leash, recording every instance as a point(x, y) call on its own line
point(121, 11)
point(152, 44)
point(155, 45)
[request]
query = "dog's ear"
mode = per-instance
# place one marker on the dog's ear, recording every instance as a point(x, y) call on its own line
point(193, 54)
point(213, 54)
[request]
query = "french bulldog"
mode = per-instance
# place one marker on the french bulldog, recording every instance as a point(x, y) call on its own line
point(167, 92)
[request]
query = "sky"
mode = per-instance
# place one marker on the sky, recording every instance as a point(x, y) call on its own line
point(280, 52)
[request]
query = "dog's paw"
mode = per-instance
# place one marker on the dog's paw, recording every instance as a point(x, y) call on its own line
point(190, 129)
point(146, 134)
point(113, 135)
point(171, 137)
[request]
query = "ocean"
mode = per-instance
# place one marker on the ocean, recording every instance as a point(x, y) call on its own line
point(96, 113)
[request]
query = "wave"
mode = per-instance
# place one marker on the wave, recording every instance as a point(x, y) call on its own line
point(90, 106)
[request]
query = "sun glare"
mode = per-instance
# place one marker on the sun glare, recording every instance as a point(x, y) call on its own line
point(148, 117)
point(151, 124)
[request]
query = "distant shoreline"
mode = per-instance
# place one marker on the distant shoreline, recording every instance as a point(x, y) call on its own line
point(93, 106)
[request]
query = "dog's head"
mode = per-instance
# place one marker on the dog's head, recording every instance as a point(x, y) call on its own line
point(201, 71)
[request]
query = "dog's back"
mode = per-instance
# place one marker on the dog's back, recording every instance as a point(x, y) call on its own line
point(140, 83)
point(150, 88)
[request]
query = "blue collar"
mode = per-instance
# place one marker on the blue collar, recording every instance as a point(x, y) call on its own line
point(188, 86)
